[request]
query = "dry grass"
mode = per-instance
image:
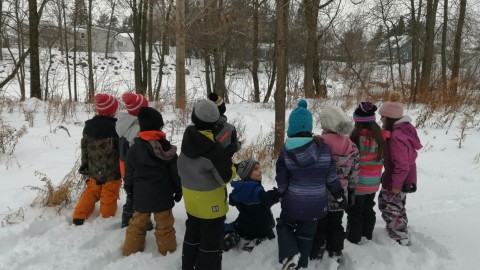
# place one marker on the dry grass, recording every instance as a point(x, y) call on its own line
point(14, 217)
point(62, 196)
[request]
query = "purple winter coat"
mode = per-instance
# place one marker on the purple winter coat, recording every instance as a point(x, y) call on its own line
point(304, 174)
point(399, 162)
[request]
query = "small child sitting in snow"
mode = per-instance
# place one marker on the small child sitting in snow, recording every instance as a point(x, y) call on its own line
point(255, 220)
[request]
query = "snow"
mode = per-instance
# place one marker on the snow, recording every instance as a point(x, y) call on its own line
point(443, 214)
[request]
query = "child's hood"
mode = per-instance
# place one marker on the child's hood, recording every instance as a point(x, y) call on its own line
point(406, 132)
point(127, 126)
point(195, 143)
point(339, 144)
point(304, 155)
point(246, 191)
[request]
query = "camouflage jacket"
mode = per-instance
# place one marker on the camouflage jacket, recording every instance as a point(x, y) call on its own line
point(100, 148)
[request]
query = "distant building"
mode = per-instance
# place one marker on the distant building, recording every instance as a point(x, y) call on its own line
point(117, 42)
point(398, 45)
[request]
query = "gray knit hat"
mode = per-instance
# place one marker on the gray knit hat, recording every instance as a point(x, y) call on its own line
point(245, 168)
point(334, 118)
point(205, 114)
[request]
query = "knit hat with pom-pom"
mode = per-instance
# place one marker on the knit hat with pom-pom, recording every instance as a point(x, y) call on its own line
point(365, 112)
point(300, 120)
point(393, 108)
point(219, 102)
point(106, 104)
point(134, 102)
point(333, 118)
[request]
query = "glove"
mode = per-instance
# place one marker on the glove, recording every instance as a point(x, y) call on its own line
point(351, 197)
point(340, 199)
point(83, 170)
point(409, 188)
point(177, 197)
point(273, 196)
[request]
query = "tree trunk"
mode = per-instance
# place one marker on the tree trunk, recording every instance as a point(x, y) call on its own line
point(1, 30)
point(33, 22)
point(255, 60)
point(280, 92)
point(67, 60)
point(208, 72)
point(59, 7)
point(91, 86)
point(165, 50)
point(107, 46)
point(457, 49)
point(137, 41)
point(181, 30)
point(75, 21)
point(150, 50)
point(144, 45)
point(413, 29)
point(444, 44)
point(274, 73)
point(429, 49)
point(311, 19)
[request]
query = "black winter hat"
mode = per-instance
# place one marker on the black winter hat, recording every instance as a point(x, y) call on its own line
point(365, 112)
point(219, 102)
point(150, 119)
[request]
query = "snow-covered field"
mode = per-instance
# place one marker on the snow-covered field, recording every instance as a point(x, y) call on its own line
point(443, 214)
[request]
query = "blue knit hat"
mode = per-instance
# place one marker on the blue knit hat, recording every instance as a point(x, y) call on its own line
point(300, 120)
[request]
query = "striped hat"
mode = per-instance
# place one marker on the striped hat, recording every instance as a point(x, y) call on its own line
point(106, 104)
point(365, 112)
point(134, 102)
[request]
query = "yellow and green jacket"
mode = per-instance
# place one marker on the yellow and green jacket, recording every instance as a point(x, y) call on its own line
point(204, 169)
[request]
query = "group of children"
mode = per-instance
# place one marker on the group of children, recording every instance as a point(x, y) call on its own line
point(319, 177)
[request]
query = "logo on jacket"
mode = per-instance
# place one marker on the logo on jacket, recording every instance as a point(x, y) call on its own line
point(215, 208)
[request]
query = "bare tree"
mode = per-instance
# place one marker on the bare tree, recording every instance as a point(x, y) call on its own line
point(165, 48)
point(444, 43)
point(91, 86)
point(181, 30)
point(113, 4)
point(67, 58)
point(1, 30)
point(429, 48)
point(311, 20)
point(282, 12)
point(457, 48)
point(33, 22)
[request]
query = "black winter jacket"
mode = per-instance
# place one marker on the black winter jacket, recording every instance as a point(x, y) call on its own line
point(151, 175)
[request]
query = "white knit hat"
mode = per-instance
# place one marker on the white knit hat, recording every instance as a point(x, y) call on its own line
point(333, 118)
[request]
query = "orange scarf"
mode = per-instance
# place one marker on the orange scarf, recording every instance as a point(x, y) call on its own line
point(152, 135)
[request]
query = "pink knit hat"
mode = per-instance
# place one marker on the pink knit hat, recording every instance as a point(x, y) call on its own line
point(393, 108)
point(106, 104)
point(134, 102)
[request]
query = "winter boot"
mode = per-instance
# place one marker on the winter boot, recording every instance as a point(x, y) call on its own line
point(230, 240)
point(317, 253)
point(78, 221)
point(337, 256)
point(291, 262)
point(404, 242)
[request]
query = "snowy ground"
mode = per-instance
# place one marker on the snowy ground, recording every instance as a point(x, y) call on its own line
point(443, 214)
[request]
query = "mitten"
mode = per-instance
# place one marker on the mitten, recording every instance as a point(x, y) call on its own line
point(409, 188)
point(177, 197)
point(83, 170)
point(273, 196)
point(351, 197)
point(340, 199)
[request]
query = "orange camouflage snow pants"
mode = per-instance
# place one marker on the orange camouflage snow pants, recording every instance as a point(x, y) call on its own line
point(108, 195)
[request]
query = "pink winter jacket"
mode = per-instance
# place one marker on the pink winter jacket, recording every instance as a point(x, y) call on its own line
point(399, 162)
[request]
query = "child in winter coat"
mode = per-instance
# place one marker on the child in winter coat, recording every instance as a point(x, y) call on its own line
point(369, 138)
point(152, 180)
point(336, 130)
point(99, 161)
point(400, 175)
point(224, 132)
point(305, 172)
point(127, 128)
point(205, 169)
point(255, 219)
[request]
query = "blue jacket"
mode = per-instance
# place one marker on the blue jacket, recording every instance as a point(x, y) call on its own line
point(255, 219)
point(305, 170)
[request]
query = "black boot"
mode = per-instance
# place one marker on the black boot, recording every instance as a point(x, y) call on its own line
point(78, 221)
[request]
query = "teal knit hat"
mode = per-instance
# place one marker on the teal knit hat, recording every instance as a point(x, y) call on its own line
point(300, 120)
